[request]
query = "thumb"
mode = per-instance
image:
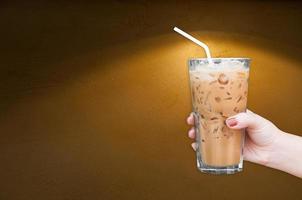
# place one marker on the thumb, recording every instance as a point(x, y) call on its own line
point(247, 119)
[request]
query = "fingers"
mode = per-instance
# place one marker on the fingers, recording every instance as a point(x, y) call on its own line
point(190, 119)
point(248, 120)
point(191, 133)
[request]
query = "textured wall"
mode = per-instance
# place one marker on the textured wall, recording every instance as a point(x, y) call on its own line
point(94, 96)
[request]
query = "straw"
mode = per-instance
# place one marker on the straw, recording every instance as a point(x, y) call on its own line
point(203, 45)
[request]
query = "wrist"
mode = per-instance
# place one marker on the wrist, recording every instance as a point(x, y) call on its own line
point(277, 149)
point(285, 154)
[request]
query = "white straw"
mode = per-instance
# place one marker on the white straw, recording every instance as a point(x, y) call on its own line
point(203, 45)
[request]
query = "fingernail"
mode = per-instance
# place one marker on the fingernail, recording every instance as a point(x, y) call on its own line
point(190, 133)
point(231, 122)
point(194, 146)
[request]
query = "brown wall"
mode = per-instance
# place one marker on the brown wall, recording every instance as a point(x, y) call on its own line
point(94, 96)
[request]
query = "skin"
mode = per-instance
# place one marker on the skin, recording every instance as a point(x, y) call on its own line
point(265, 144)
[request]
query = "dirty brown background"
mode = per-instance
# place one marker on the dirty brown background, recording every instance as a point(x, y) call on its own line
point(94, 96)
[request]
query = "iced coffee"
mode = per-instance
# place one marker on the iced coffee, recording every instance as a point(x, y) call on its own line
point(219, 90)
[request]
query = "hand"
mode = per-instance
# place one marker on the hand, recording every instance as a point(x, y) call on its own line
point(265, 144)
point(260, 139)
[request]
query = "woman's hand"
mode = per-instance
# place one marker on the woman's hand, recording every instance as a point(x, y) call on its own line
point(265, 144)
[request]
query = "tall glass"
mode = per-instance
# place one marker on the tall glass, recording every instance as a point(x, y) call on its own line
point(218, 91)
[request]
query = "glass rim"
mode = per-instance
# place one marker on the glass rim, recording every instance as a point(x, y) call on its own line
point(229, 58)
